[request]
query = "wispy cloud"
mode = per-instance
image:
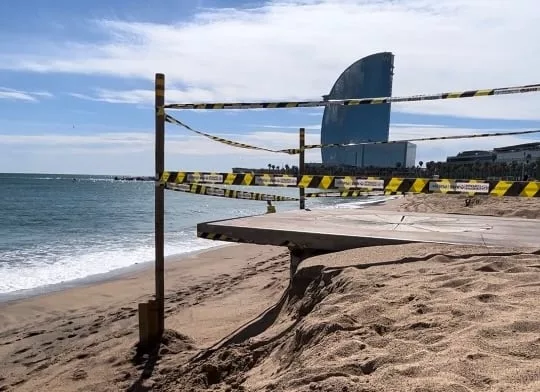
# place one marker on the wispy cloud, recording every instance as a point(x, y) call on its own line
point(296, 127)
point(296, 50)
point(134, 150)
point(415, 125)
point(20, 95)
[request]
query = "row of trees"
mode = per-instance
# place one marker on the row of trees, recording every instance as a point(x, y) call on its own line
point(496, 170)
point(512, 171)
point(278, 169)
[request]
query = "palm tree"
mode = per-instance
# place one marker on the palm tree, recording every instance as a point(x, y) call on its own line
point(269, 166)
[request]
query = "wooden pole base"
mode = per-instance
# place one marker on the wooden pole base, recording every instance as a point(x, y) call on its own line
point(149, 334)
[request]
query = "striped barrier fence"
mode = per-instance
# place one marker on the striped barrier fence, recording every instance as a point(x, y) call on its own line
point(294, 151)
point(200, 189)
point(357, 101)
point(344, 194)
point(393, 185)
point(223, 237)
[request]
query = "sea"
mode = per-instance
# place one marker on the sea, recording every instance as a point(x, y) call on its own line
point(56, 229)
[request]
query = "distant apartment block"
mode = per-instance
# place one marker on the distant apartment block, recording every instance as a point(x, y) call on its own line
point(370, 76)
point(518, 153)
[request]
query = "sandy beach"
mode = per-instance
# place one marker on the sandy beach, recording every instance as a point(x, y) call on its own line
point(413, 317)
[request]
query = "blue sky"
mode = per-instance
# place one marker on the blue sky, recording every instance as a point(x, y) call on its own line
point(76, 78)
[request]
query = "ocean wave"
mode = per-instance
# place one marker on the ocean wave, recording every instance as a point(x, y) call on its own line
point(46, 268)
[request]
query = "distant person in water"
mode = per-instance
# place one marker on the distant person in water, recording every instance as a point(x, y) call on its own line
point(270, 209)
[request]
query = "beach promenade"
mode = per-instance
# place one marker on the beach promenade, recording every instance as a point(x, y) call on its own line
point(403, 316)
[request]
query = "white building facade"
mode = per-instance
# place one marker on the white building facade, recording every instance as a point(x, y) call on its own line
point(519, 153)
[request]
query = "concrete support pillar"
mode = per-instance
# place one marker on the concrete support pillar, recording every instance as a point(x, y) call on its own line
point(297, 255)
point(149, 334)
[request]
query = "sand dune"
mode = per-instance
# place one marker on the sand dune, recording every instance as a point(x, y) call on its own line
point(480, 205)
point(444, 319)
point(411, 317)
point(84, 339)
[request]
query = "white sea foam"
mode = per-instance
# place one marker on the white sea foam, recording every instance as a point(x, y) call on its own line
point(49, 270)
point(356, 204)
point(82, 247)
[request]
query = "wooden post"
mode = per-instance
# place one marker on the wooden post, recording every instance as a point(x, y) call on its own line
point(160, 206)
point(148, 326)
point(144, 327)
point(301, 167)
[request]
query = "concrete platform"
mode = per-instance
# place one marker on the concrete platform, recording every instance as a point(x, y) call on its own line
point(341, 229)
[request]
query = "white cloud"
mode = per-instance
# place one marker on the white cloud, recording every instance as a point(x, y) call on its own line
point(438, 150)
point(133, 152)
point(44, 94)
point(20, 95)
point(297, 127)
point(413, 125)
point(297, 49)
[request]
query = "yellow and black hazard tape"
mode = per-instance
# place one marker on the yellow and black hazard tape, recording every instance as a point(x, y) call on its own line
point(245, 179)
point(492, 188)
point(344, 194)
point(293, 151)
point(224, 237)
point(172, 120)
point(387, 185)
point(418, 139)
point(217, 237)
point(358, 101)
point(200, 189)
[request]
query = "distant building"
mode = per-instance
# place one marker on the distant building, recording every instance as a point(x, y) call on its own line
point(370, 76)
point(472, 156)
point(518, 153)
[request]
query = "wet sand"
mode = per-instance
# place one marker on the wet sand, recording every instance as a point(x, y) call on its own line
point(409, 317)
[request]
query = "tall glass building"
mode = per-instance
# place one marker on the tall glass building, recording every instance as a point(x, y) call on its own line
point(370, 76)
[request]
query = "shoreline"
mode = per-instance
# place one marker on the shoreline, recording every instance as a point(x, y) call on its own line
point(80, 338)
point(374, 317)
point(120, 273)
point(94, 279)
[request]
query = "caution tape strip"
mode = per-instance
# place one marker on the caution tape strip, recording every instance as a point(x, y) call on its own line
point(224, 237)
point(358, 101)
point(172, 120)
point(419, 139)
point(343, 194)
point(293, 151)
point(471, 187)
point(217, 237)
point(200, 189)
point(394, 184)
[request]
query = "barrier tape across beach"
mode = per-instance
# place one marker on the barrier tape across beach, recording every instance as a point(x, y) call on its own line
point(200, 189)
point(293, 151)
point(357, 101)
point(173, 120)
point(419, 139)
point(389, 185)
point(223, 237)
point(344, 194)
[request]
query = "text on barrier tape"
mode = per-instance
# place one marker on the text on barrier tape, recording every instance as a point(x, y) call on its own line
point(201, 189)
point(358, 101)
point(393, 184)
